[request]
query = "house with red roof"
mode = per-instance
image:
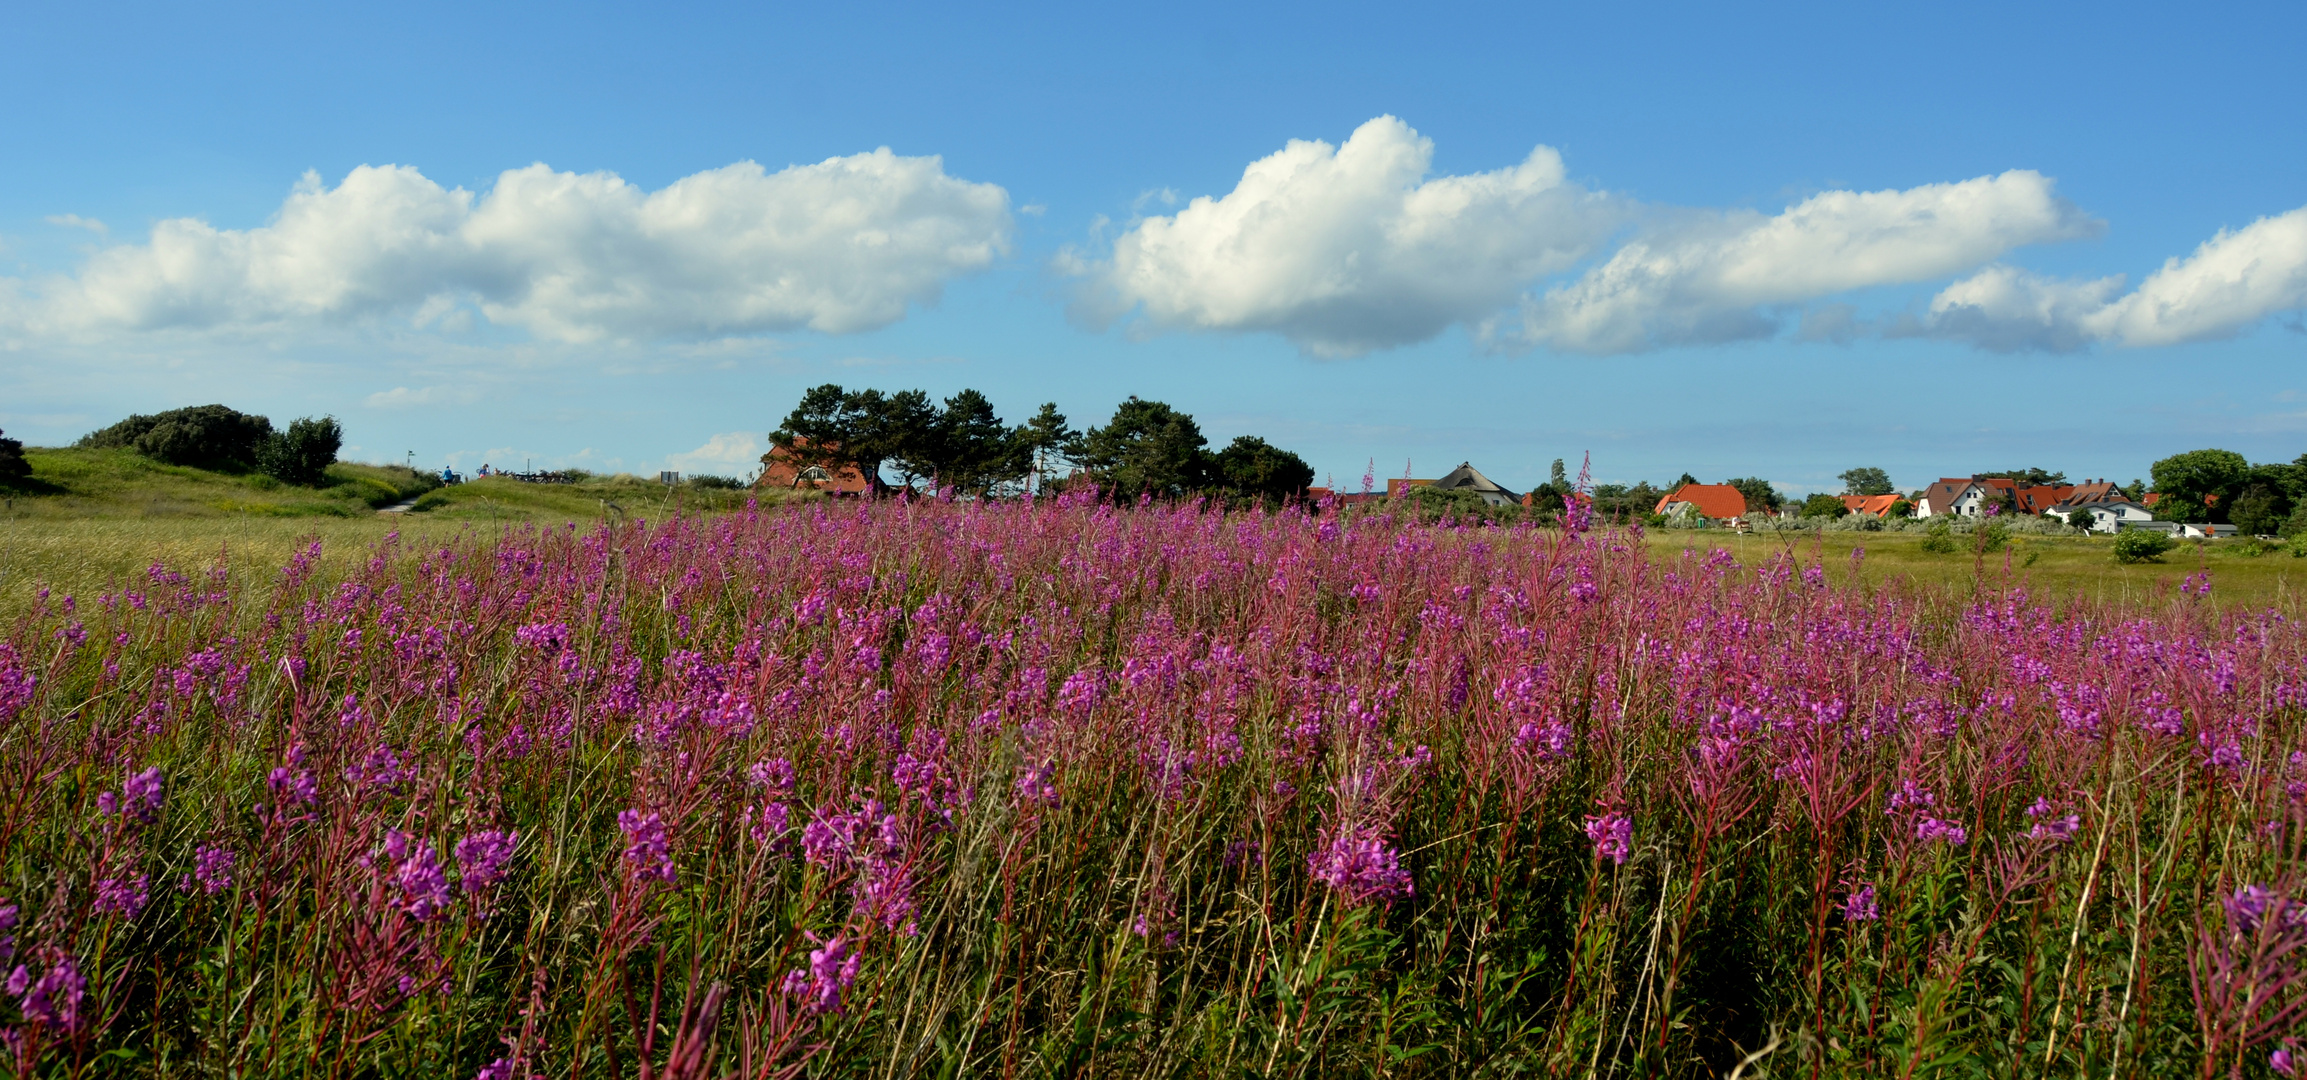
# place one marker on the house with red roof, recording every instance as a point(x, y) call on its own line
point(1717, 502)
point(1870, 505)
point(779, 469)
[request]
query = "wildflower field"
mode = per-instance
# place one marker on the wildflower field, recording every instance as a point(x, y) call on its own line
point(896, 789)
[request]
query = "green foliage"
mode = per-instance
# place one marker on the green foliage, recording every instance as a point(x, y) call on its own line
point(302, 454)
point(1760, 496)
point(2260, 508)
point(13, 466)
point(715, 483)
point(2079, 519)
point(202, 437)
point(1252, 468)
point(1940, 540)
point(967, 447)
point(2141, 545)
point(1866, 481)
point(2024, 476)
point(1147, 448)
point(1824, 505)
point(1899, 509)
point(2196, 484)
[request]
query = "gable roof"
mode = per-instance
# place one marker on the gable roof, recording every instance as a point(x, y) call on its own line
point(1942, 495)
point(779, 470)
point(1870, 505)
point(1710, 500)
point(1468, 478)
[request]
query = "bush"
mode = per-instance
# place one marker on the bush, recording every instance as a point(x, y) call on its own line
point(201, 437)
point(2141, 545)
point(1823, 505)
point(1941, 538)
point(303, 453)
point(717, 483)
point(13, 467)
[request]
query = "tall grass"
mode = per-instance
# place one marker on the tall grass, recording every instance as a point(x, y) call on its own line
point(1062, 789)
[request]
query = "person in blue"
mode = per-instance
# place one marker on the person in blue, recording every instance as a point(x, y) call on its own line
point(447, 476)
point(485, 471)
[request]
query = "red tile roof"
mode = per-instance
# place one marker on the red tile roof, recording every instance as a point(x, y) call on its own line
point(780, 471)
point(1870, 505)
point(1712, 500)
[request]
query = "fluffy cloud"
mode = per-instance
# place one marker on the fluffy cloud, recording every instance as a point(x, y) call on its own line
point(1350, 248)
point(2229, 284)
point(843, 245)
point(731, 453)
point(1712, 278)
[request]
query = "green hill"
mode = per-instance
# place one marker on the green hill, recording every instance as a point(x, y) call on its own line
point(69, 482)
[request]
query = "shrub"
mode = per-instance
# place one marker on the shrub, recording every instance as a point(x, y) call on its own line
point(303, 453)
point(1941, 538)
point(13, 467)
point(201, 437)
point(2141, 545)
point(1823, 505)
point(717, 483)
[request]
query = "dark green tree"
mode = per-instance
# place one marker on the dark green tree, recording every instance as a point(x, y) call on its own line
point(964, 445)
point(1047, 442)
point(1685, 481)
point(1760, 496)
point(1147, 448)
point(861, 429)
point(2198, 485)
point(1823, 505)
point(13, 467)
point(1252, 468)
point(1866, 480)
point(2260, 508)
point(303, 453)
point(201, 437)
point(2024, 476)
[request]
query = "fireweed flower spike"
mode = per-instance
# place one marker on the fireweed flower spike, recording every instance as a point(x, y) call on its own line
point(648, 857)
point(1860, 906)
point(1612, 835)
point(833, 966)
point(1362, 868)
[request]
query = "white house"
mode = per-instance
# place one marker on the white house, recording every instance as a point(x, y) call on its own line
point(2206, 532)
point(2107, 516)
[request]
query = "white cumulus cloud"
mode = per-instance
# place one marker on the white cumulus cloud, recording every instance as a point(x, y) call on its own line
point(2231, 283)
point(843, 245)
point(1350, 248)
point(730, 453)
point(1713, 277)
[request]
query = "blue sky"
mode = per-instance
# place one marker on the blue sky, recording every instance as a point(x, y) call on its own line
point(1779, 240)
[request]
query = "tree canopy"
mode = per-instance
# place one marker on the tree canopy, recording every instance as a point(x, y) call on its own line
point(2198, 485)
point(1866, 480)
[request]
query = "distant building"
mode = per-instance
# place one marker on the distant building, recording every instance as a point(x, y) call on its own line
point(2107, 515)
point(1720, 502)
point(1468, 478)
point(1870, 505)
point(779, 470)
point(1969, 496)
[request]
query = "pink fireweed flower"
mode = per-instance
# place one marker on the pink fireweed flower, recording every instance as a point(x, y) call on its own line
point(124, 896)
point(1612, 835)
point(416, 874)
point(647, 854)
point(54, 999)
point(768, 824)
point(832, 968)
point(2283, 1061)
point(1860, 905)
point(2048, 825)
point(1034, 786)
point(1934, 830)
point(1361, 868)
point(212, 868)
point(774, 775)
point(482, 858)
